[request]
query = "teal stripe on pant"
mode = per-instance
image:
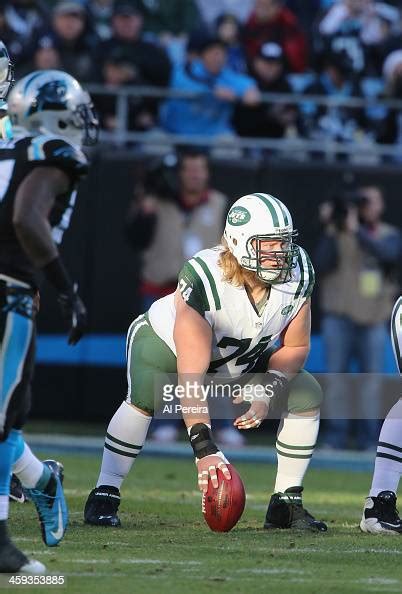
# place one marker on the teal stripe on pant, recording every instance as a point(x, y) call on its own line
point(7, 450)
point(14, 348)
point(19, 446)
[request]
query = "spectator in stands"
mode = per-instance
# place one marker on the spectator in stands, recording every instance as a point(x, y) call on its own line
point(359, 27)
point(101, 12)
point(20, 22)
point(390, 130)
point(169, 24)
point(152, 66)
point(128, 59)
point(46, 57)
point(170, 19)
point(272, 21)
point(228, 30)
point(15, 44)
point(306, 12)
point(174, 215)
point(118, 71)
point(210, 10)
point(389, 38)
point(334, 122)
point(356, 261)
point(270, 120)
point(73, 39)
point(26, 17)
point(220, 87)
point(393, 38)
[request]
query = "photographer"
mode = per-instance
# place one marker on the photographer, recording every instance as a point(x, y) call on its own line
point(390, 130)
point(356, 260)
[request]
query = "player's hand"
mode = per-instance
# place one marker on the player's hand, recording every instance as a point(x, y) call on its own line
point(225, 94)
point(74, 312)
point(208, 468)
point(255, 415)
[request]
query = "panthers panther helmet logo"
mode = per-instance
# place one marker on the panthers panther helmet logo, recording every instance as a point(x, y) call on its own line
point(51, 96)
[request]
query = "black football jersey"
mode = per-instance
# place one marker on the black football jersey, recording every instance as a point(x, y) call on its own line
point(18, 157)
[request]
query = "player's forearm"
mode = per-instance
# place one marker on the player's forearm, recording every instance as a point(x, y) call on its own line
point(192, 336)
point(289, 359)
point(35, 236)
point(194, 402)
point(193, 413)
point(192, 364)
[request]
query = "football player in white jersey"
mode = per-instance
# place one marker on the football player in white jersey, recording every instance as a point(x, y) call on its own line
point(232, 304)
point(380, 514)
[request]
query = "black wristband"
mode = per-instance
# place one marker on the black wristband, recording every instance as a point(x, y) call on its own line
point(201, 441)
point(57, 275)
point(276, 385)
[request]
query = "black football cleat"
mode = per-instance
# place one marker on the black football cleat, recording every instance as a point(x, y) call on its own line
point(101, 507)
point(380, 515)
point(285, 510)
point(16, 490)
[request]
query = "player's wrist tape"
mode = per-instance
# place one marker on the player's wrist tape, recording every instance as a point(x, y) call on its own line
point(201, 441)
point(57, 275)
point(220, 455)
point(276, 383)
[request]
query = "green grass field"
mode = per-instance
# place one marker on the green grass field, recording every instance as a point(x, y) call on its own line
point(164, 546)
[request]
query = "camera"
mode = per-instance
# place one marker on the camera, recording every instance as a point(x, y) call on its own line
point(341, 205)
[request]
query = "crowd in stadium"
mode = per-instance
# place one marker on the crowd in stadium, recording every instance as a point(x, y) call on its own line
point(229, 53)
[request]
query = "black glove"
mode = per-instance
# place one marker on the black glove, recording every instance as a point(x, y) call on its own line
point(276, 384)
point(74, 312)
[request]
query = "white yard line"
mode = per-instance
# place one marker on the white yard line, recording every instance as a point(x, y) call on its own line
point(373, 581)
point(326, 551)
point(159, 561)
point(272, 571)
point(90, 561)
point(98, 574)
point(131, 561)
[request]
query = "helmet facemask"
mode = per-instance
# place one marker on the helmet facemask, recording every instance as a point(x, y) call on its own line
point(6, 73)
point(272, 266)
point(84, 118)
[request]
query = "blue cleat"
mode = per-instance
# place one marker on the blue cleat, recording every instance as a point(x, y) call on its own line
point(51, 505)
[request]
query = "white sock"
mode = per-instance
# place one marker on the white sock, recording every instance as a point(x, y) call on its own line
point(388, 463)
point(295, 444)
point(28, 468)
point(4, 503)
point(124, 439)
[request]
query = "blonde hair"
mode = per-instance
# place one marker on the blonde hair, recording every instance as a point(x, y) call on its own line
point(232, 272)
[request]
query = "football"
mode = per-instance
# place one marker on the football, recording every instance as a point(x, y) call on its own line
point(222, 507)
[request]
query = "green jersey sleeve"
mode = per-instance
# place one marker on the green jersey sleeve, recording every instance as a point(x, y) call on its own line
point(192, 289)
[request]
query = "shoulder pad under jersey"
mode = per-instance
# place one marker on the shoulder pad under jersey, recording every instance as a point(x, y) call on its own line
point(51, 150)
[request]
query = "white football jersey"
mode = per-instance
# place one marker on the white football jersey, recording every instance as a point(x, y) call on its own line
point(396, 332)
point(240, 335)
